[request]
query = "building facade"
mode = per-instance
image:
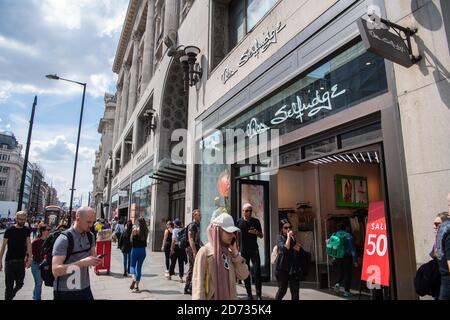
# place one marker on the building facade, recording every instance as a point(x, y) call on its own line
point(11, 163)
point(103, 156)
point(353, 128)
point(38, 190)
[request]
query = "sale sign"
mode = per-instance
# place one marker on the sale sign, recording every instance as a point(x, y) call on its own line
point(375, 269)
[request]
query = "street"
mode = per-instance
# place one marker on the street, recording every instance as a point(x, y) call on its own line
point(153, 286)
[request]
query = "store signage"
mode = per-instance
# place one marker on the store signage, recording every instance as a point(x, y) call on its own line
point(300, 109)
point(122, 193)
point(375, 269)
point(258, 47)
point(141, 157)
point(384, 43)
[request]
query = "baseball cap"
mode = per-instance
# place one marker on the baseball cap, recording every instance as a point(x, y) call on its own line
point(177, 222)
point(226, 222)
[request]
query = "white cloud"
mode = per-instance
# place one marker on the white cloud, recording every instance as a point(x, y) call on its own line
point(99, 84)
point(63, 13)
point(18, 47)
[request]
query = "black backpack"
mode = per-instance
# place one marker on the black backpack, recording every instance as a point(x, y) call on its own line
point(47, 251)
point(183, 237)
point(428, 279)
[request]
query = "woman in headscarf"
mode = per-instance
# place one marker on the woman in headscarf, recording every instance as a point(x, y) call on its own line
point(219, 263)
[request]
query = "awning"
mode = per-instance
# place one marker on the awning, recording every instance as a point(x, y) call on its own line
point(169, 172)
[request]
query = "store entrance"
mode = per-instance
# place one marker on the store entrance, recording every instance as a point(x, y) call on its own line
point(319, 195)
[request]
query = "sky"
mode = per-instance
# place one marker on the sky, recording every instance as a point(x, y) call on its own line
point(77, 40)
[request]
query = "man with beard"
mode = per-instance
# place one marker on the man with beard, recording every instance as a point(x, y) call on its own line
point(18, 257)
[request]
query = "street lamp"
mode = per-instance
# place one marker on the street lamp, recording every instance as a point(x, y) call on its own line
point(55, 77)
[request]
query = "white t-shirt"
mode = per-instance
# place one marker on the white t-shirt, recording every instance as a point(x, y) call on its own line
point(175, 233)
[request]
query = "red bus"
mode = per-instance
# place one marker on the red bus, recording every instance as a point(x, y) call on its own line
point(53, 215)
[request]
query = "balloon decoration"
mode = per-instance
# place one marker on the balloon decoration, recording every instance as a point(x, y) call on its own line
point(223, 184)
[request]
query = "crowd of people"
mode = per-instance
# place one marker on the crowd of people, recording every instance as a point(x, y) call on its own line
point(231, 255)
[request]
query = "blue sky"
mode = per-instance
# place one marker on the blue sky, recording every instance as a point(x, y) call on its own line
point(76, 40)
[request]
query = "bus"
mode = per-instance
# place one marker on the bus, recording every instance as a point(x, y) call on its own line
point(53, 215)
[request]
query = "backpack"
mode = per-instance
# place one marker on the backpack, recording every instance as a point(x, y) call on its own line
point(182, 237)
point(47, 250)
point(336, 245)
point(428, 279)
point(274, 255)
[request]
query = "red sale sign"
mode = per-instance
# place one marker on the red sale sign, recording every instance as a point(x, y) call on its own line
point(375, 269)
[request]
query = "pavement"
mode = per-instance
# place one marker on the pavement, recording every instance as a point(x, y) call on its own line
point(153, 286)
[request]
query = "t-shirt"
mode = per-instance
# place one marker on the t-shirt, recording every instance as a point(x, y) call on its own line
point(17, 242)
point(36, 248)
point(443, 262)
point(80, 243)
point(194, 229)
point(248, 241)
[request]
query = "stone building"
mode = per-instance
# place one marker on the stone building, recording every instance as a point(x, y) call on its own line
point(355, 130)
point(102, 156)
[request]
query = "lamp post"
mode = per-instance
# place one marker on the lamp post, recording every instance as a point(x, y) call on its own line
point(55, 77)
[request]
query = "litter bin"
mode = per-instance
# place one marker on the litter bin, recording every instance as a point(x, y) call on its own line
point(103, 247)
point(323, 280)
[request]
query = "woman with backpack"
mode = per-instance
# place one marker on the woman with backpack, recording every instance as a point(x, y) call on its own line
point(287, 264)
point(138, 252)
point(125, 247)
point(176, 253)
point(166, 244)
point(36, 248)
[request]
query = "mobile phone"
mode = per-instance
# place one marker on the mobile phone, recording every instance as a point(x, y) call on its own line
point(102, 256)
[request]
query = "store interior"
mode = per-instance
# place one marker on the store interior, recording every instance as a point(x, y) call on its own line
point(316, 195)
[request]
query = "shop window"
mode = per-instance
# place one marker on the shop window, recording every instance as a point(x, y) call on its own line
point(320, 148)
point(355, 137)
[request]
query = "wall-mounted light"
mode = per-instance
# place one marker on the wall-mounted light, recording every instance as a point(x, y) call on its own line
point(192, 70)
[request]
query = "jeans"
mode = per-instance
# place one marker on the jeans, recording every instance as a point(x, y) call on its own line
point(284, 280)
point(445, 288)
point(14, 273)
point(344, 266)
point(137, 260)
point(85, 294)
point(256, 263)
point(177, 255)
point(37, 280)
point(126, 262)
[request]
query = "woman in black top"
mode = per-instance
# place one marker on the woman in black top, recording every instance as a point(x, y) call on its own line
point(287, 270)
point(138, 252)
point(125, 247)
point(167, 242)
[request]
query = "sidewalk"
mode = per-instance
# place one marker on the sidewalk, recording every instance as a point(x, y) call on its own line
point(153, 286)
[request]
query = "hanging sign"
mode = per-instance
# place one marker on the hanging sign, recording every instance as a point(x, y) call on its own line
point(384, 43)
point(375, 269)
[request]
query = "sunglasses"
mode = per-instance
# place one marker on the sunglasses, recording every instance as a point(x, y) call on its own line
point(226, 264)
point(248, 210)
point(437, 224)
point(286, 228)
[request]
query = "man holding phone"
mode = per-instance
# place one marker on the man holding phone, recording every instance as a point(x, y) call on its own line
point(72, 273)
point(250, 232)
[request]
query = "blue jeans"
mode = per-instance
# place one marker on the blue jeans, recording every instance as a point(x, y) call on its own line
point(37, 281)
point(137, 260)
point(126, 262)
point(445, 288)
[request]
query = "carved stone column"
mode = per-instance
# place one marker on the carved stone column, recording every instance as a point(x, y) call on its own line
point(149, 46)
point(171, 22)
point(125, 93)
point(117, 114)
point(134, 76)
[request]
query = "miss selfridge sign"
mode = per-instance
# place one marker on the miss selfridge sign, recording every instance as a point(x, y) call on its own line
point(259, 46)
point(300, 109)
point(341, 82)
